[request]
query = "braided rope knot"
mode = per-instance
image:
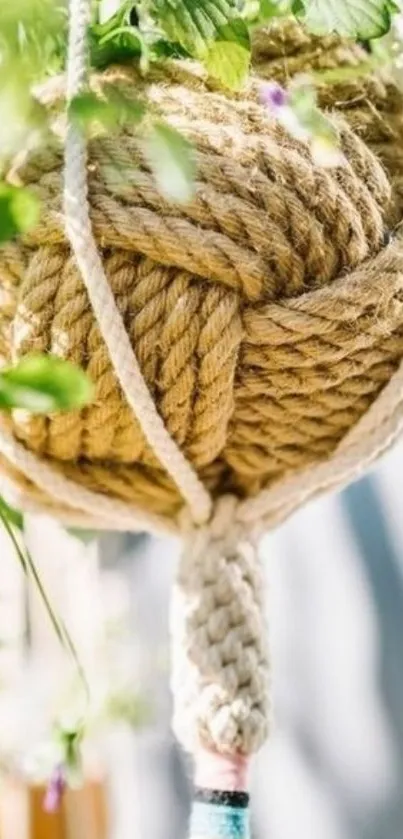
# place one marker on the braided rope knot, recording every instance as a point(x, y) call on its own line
point(233, 341)
point(220, 667)
point(223, 522)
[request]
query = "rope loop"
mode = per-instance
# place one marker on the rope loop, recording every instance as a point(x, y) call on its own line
point(222, 520)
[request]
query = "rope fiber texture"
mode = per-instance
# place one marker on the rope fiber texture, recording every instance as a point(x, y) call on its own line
point(265, 316)
point(219, 665)
point(89, 262)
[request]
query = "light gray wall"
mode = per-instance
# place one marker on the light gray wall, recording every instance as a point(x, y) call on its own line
point(333, 768)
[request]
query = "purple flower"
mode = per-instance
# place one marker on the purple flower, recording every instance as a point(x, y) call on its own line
point(274, 96)
point(56, 788)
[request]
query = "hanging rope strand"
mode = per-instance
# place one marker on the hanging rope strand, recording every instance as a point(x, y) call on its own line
point(79, 231)
point(101, 508)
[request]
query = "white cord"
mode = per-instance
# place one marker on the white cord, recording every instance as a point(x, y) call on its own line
point(66, 491)
point(372, 436)
point(79, 230)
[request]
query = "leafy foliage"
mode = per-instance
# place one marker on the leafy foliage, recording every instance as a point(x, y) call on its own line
point(212, 31)
point(109, 112)
point(273, 8)
point(12, 523)
point(350, 18)
point(193, 23)
point(19, 210)
point(171, 159)
point(113, 37)
point(32, 46)
point(33, 33)
point(43, 384)
point(297, 109)
point(261, 11)
point(14, 517)
point(228, 56)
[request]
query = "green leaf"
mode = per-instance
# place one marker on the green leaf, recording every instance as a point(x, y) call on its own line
point(29, 568)
point(273, 8)
point(349, 18)
point(121, 47)
point(204, 28)
point(107, 9)
point(259, 11)
point(192, 24)
point(14, 517)
point(303, 97)
point(22, 118)
point(171, 160)
point(113, 110)
point(114, 39)
point(70, 741)
point(87, 108)
point(32, 37)
point(19, 211)
point(228, 62)
point(43, 384)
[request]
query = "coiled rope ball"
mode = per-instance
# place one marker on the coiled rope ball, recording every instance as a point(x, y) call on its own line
point(246, 350)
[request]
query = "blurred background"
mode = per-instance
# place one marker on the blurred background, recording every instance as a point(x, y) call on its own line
point(333, 768)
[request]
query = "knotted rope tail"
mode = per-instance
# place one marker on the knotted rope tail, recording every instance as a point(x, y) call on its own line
point(220, 668)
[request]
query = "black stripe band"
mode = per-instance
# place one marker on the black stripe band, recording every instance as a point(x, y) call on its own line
point(218, 796)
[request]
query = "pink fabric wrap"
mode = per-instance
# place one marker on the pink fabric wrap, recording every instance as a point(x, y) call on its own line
point(221, 772)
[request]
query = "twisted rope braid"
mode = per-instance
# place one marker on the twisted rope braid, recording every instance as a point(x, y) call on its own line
point(220, 666)
point(371, 368)
point(79, 231)
point(303, 239)
point(371, 103)
point(282, 162)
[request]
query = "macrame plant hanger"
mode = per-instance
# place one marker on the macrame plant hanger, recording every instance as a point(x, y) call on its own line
point(218, 638)
point(220, 667)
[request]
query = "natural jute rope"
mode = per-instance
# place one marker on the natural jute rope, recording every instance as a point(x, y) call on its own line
point(246, 351)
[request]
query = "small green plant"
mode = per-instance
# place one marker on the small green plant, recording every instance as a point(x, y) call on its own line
point(44, 384)
point(41, 383)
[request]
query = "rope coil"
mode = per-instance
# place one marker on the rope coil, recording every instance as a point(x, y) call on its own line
point(254, 387)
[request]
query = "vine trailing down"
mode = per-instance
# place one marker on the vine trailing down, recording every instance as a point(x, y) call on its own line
point(182, 267)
